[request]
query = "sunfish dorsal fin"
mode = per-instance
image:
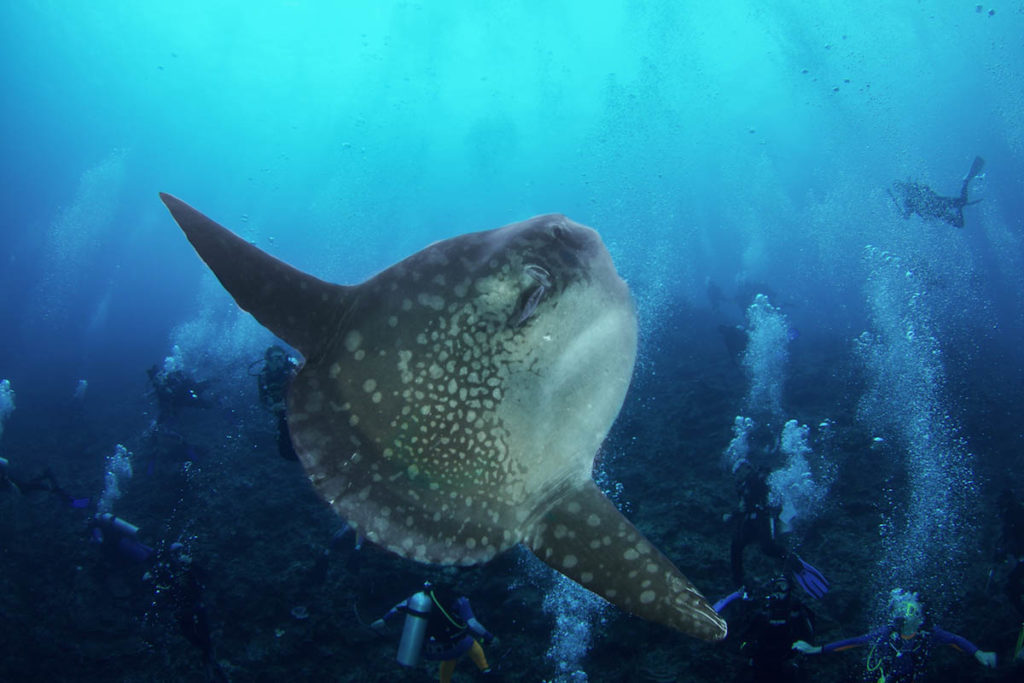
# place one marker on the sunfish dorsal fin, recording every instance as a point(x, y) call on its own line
point(299, 308)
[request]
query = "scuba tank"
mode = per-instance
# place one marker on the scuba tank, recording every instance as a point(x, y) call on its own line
point(109, 521)
point(417, 610)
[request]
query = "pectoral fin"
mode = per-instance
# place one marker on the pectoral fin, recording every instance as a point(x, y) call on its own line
point(586, 538)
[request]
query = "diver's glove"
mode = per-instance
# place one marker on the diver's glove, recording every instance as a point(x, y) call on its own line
point(986, 658)
point(803, 647)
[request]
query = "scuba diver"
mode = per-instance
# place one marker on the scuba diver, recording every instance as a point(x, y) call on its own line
point(179, 584)
point(1011, 546)
point(174, 390)
point(899, 651)
point(178, 581)
point(318, 573)
point(735, 338)
point(447, 625)
point(756, 521)
point(119, 540)
point(273, 379)
point(911, 198)
point(767, 630)
point(45, 482)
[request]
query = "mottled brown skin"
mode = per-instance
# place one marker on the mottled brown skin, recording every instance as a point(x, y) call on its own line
point(451, 406)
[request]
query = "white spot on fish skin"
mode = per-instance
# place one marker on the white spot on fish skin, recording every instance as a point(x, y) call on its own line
point(353, 420)
point(392, 321)
point(630, 554)
point(573, 507)
point(353, 340)
point(359, 355)
point(569, 561)
point(431, 301)
point(593, 520)
point(586, 577)
point(369, 385)
point(335, 370)
point(647, 597)
point(376, 397)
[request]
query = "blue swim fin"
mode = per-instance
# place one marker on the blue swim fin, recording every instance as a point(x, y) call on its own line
point(812, 581)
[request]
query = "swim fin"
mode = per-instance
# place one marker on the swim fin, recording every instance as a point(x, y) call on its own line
point(812, 581)
point(976, 167)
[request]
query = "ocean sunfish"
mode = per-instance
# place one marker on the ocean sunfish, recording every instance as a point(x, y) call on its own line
point(451, 406)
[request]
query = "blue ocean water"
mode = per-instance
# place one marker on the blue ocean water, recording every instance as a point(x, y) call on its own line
point(745, 147)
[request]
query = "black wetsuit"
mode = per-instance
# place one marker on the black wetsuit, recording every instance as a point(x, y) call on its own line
point(175, 390)
point(916, 198)
point(755, 522)
point(768, 637)
point(273, 387)
point(180, 587)
point(1011, 543)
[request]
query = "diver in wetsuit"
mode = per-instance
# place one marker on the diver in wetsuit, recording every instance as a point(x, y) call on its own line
point(440, 627)
point(178, 581)
point(911, 198)
point(756, 521)
point(119, 542)
point(180, 584)
point(1011, 546)
point(273, 380)
point(766, 630)
point(175, 389)
point(44, 482)
point(318, 573)
point(899, 650)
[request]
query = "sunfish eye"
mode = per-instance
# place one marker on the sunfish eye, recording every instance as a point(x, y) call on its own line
point(566, 237)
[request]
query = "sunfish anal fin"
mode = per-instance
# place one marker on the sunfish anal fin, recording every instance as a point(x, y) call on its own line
point(586, 538)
